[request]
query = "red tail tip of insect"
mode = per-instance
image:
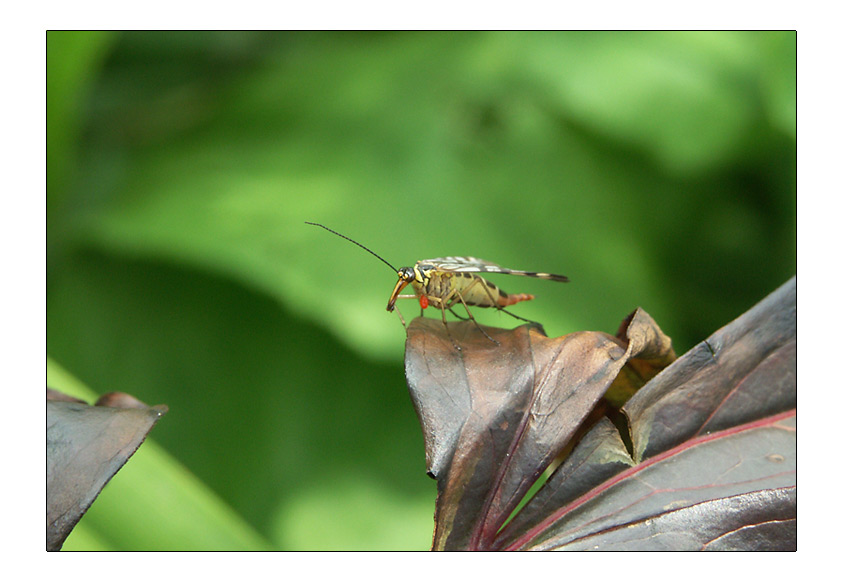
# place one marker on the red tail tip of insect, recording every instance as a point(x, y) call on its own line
point(514, 298)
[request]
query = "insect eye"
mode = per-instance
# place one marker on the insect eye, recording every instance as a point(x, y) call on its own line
point(406, 274)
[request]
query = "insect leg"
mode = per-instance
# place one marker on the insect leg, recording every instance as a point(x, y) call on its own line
point(404, 297)
point(454, 313)
point(518, 317)
point(443, 317)
point(469, 314)
point(396, 309)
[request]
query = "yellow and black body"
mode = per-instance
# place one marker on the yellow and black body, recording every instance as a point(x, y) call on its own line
point(447, 281)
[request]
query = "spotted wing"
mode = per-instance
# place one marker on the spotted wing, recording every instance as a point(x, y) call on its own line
point(476, 265)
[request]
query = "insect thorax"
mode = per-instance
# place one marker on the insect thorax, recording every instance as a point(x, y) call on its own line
point(430, 281)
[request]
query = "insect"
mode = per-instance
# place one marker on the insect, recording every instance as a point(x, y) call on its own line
point(446, 281)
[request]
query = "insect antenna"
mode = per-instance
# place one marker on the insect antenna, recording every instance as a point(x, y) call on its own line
point(351, 241)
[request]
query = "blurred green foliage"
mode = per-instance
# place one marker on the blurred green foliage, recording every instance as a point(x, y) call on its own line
point(655, 169)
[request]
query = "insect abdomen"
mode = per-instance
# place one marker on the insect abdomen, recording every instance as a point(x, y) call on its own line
point(509, 299)
point(478, 291)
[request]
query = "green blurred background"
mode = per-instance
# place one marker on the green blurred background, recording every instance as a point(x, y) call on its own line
point(654, 169)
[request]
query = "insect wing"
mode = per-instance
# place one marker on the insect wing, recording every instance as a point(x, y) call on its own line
point(465, 265)
point(476, 265)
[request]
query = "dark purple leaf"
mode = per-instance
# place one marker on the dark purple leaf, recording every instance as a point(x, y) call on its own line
point(86, 446)
point(687, 498)
point(743, 372)
point(708, 462)
point(494, 416)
